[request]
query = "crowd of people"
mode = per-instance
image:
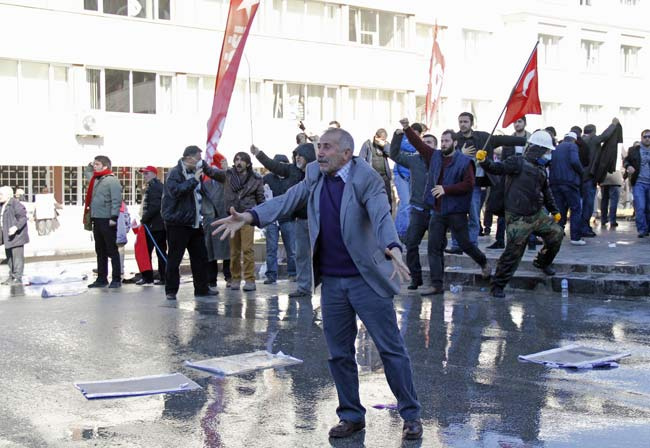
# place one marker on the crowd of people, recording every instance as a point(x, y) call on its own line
point(344, 220)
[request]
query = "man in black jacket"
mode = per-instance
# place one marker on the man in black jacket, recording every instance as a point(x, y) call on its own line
point(151, 204)
point(469, 141)
point(593, 143)
point(295, 172)
point(527, 192)
point(274, 186)
point(181, 211)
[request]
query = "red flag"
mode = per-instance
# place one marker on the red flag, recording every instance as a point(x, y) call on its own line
point(525, 96)
point(436, 75)
point(240, 19)
point(141, 251)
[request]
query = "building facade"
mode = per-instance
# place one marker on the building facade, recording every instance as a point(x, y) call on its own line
point(134, 79)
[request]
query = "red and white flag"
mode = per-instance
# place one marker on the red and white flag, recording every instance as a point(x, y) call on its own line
point(436, 75)
point(240, 19)
point(524, 98)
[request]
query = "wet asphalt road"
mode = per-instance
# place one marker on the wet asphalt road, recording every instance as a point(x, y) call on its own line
point(463, 347)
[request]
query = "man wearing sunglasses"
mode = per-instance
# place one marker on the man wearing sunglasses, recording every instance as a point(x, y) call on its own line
point(637, 166)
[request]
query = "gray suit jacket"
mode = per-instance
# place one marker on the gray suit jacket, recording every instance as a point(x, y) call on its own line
point(366, 224)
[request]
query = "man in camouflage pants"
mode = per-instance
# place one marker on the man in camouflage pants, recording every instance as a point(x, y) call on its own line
point(527, 192)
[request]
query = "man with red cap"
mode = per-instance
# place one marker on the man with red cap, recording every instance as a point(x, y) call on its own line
point(151, 218)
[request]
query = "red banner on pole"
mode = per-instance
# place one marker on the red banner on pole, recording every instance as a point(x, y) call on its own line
point(525, 96)
point(240, 19)
point(436, 75)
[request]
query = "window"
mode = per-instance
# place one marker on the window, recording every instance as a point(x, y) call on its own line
point(8, 83)
point(295, 105)
point(15, 176)
point(278, 101)
point(479, 109)
point(630, 116)
point(630, 2)
point(124, 175)
point(191, 95)
point(329, 104)
point(551, 113)
point(591, 54)
point(370, 27)
point(549, 50)
point(585, 2)
point(314, 110)
point(131, 8)
point(144, 93)
point(71, 181)
point(93, 77)
point(207, 95)
point(398, 110)
point(41, 178)
point(34, 87)
point(475, 44)
point(117, 91)
point(590, 113)
point(630, 59)
point(60, 99)
point(166, 95)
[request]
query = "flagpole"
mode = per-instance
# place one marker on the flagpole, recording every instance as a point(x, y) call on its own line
point(510, 96)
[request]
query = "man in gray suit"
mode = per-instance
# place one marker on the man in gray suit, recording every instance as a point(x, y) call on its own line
point(358, 259)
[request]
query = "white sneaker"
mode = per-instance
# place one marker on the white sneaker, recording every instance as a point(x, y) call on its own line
point(234, 285)
point(578, 242)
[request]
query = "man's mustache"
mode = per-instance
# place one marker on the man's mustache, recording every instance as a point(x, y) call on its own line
point(322, 160)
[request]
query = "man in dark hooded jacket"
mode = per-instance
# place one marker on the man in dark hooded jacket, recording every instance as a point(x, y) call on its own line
point(295, 172)
point(527, 192)
point(275, 185)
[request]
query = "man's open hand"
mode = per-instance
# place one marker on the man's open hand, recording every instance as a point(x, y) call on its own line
point(231, 224)
point(469, 151)
point(400, 269)
point(438, 191)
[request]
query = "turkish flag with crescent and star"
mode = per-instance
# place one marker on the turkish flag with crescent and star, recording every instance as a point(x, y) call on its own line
point(436, 75)
point(525, 96)
point(240, 19)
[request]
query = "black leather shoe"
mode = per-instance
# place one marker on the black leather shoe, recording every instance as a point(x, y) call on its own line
point(457, 251)
point(412, 430)
point(346, 429)
point(548, 270)
point(171, 296)
point(641, 235)
point(269, 281)
point(496, 245)
point(432, 292)
point(590, 234)
point(159, 282)
point(115, 284)
point(98, 284)
point(414, 284)
point(143, 282)
point(497, 292)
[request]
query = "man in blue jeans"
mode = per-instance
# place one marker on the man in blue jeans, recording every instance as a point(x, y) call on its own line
point(276, 185)
point(637, 166)
point(402, 181)
point(565, 178)
point(358, 259)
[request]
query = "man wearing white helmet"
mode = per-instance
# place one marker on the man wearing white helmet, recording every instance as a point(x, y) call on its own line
point(527, 192)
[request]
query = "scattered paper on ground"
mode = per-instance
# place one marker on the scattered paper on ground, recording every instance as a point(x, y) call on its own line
point(62, 291)
point(575, 356)
point(131, 387)
point(243, 363)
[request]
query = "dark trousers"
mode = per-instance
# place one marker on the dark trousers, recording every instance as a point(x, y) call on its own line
point(16, 262)
point(389, 191)
point(519, 230)
point(438, 226)
point(342, 300)
point(567, 197)
point(418, 225)
point(501, 230)
point(213, 271)
point(610, 195)
point(160, 237)
point(106, 247)
point(180, 238)
point(588, 199)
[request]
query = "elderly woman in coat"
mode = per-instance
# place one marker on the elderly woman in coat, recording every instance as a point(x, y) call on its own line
point(212, 208)
point(14, 236)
